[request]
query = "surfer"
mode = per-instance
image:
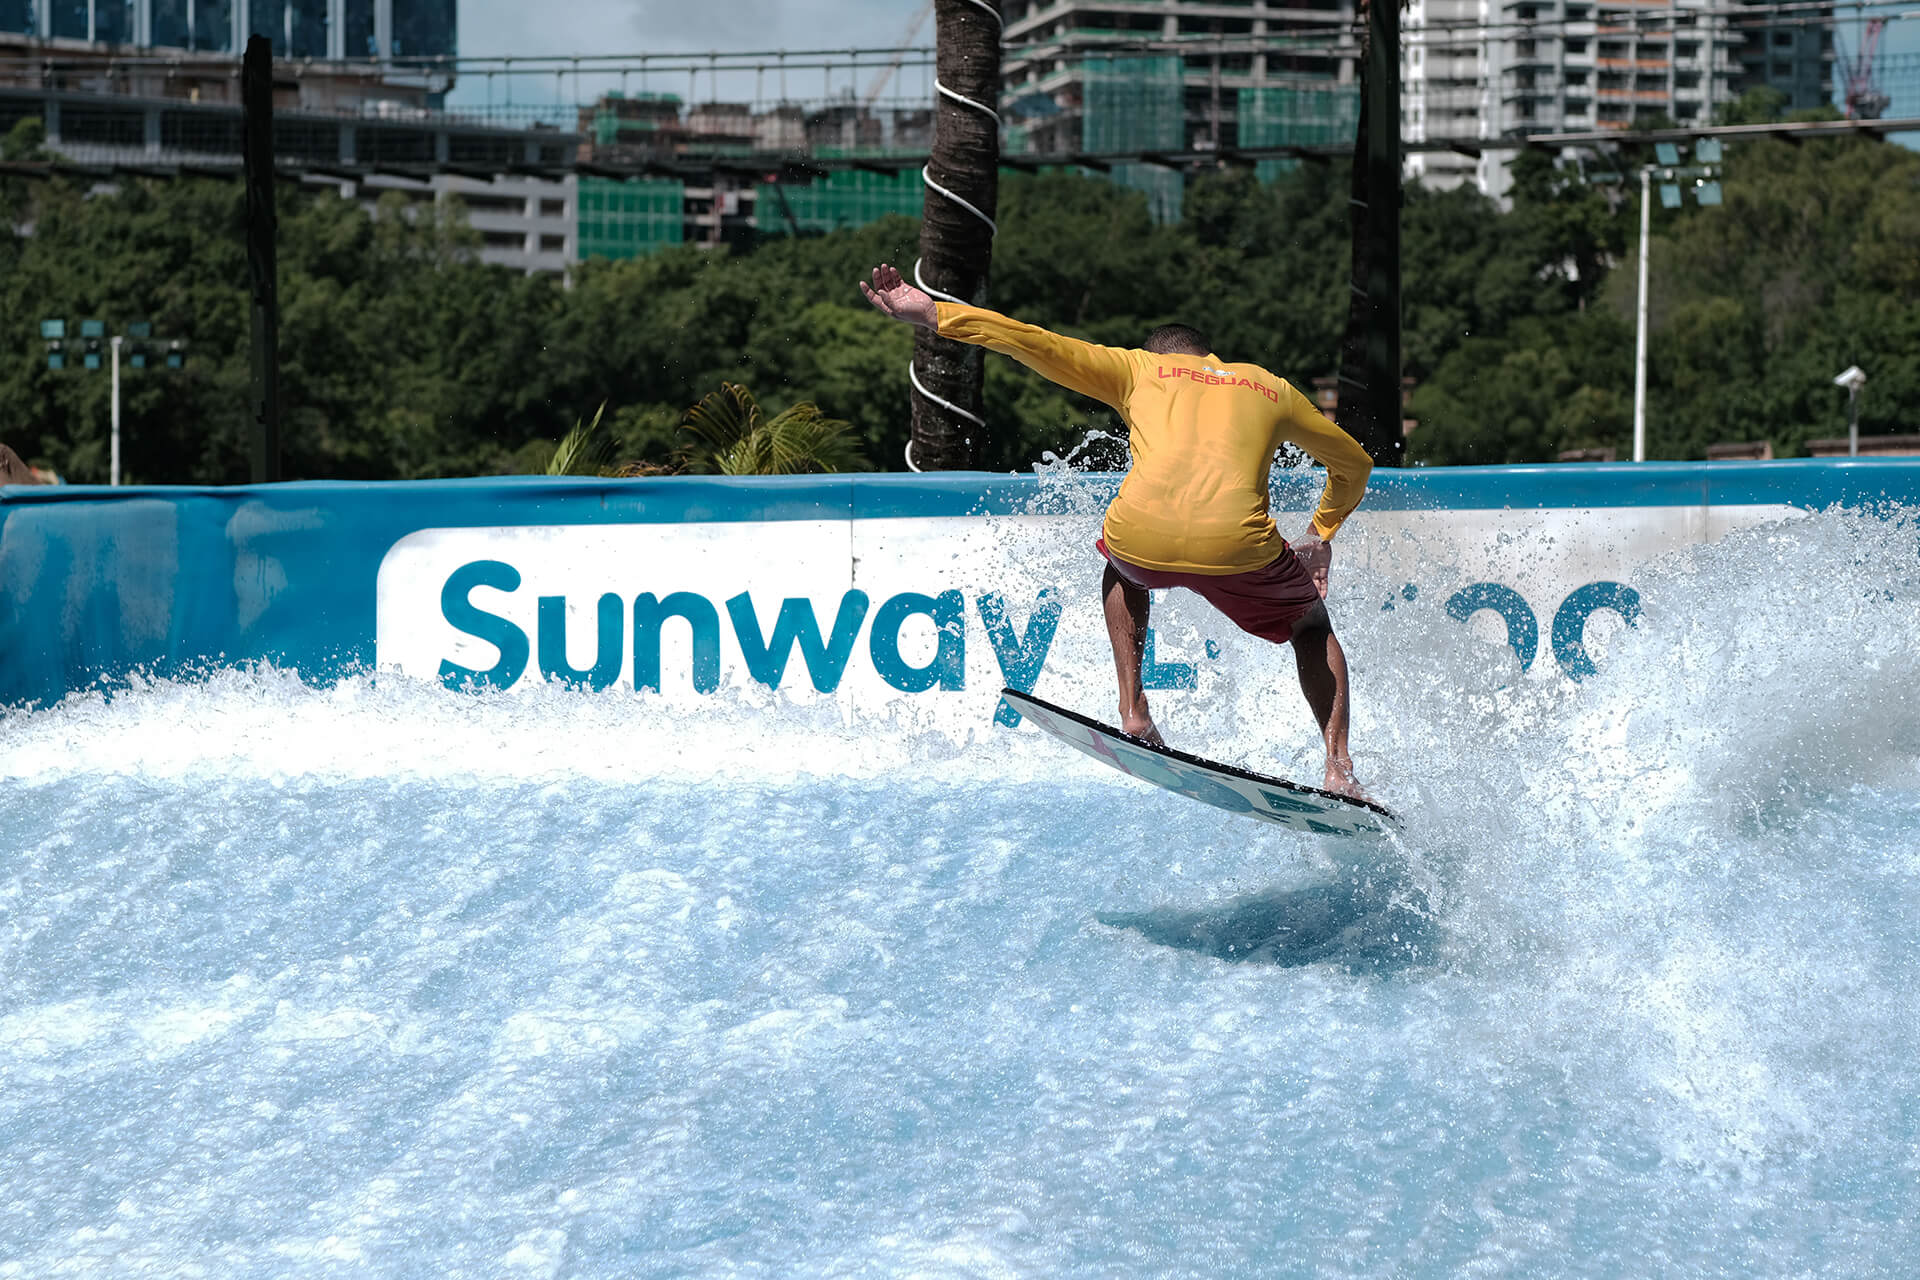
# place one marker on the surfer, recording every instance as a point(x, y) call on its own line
point(1192, 511)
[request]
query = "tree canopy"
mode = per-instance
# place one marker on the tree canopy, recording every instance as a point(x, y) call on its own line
point(403, 356)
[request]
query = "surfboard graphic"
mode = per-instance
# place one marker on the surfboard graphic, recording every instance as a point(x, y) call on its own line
point(1288, 804)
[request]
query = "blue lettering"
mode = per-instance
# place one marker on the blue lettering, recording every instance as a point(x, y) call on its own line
point(767, 658)
point(497, 631)
point(702, 618)
point(553, 643)
point(1570, 622)
point(1155, 674)
point(1020, 658)
point(1523, 629)
point(949, 666)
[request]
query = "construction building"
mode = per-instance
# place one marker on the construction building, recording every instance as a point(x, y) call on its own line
point(156, 82)
point(1793, 53)
point(326, 30)
point(1473, 70)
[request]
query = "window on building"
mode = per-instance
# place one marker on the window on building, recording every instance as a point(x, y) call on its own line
point(170, 27)
point(70, 20)
point(213, 26)
point(1783, 39)
point(298, 28)
point(356, 29)
point(424, 29)
point(113, 21)
point(1686, 49)
point(553, 208)
point(1576, 79)
point(1576, 46)
point(553, 244)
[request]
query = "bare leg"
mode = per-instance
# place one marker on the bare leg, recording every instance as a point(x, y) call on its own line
point(1323, 678)
point(1127, 607)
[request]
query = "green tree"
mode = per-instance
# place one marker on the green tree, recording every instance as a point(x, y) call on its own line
point(734, 438)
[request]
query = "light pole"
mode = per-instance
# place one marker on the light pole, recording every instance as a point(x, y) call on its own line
point(1706, 188)
point(1640, 334)
point(1852, 379)
point(140, 333)
point(114, 473)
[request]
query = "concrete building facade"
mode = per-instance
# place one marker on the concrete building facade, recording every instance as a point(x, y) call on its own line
point(336, 30)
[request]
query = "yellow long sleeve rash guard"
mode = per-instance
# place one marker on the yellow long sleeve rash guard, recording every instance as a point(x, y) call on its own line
point(1204, 434)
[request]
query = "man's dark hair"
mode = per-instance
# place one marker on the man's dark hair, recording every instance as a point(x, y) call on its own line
point(1178, 340)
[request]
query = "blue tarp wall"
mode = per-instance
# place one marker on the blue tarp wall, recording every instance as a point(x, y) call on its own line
point(97, 583)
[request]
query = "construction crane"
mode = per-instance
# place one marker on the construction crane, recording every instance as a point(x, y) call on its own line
point(901, 47)
point(1865, 99)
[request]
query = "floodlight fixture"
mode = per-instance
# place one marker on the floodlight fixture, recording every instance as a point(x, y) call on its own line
point(1706, 192)
point(1666, 153)
point(1853, 377)
point(53, 330)
point(1707, 151)
point(93, 329)
point(1670, 195)
point(140, 329)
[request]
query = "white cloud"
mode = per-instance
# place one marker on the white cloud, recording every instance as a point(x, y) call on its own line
point(562, 28)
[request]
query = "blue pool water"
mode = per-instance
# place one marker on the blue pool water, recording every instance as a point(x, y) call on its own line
point(381, 979)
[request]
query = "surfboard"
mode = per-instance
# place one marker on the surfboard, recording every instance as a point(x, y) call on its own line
point(1275, 800)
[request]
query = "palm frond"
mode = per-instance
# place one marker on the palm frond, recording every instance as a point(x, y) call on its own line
point(585, 449)
point(738, 440)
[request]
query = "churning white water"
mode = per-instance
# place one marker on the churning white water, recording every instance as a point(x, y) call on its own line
point(384, 979)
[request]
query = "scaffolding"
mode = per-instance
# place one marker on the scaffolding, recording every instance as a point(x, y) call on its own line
point(630, 219)
point(1133, 104)
point(1137, 104)
point(845, 198)
point(1310, 115)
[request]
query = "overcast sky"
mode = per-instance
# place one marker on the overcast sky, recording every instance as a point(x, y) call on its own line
point(502, 28)
point(492, 27)
point(497, 28)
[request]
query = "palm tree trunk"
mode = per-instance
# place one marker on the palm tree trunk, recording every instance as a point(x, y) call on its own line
point(1369, 405)
point(956, 242)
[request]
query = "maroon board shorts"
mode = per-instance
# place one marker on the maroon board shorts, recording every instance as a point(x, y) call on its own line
point(1265, 602)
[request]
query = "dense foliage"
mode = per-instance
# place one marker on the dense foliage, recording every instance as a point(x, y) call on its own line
point(405, 357)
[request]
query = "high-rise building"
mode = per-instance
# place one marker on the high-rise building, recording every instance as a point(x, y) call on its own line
point(337, 30)
point(1176, 75)
point(1445, 93)
point(1792, 52)
point(1556, 66)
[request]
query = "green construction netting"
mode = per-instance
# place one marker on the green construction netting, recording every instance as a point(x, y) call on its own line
point(1303, 117)
point(848, 198)
point(630, 219)
point(1133, 104)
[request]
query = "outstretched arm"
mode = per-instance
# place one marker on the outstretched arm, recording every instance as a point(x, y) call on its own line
point(1105, 373)
point(895, 297)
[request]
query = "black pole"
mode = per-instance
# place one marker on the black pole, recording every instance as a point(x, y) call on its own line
point(1369, 406)
point(256, 97)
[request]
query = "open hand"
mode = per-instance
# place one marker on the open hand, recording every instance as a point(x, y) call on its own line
point(1316, 557)
point(895, 297)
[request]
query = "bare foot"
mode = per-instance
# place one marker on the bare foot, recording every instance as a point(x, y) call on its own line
point(1141, 727)
point(1340, 780)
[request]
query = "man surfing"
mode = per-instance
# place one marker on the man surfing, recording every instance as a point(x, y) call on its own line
point(1192, 511)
